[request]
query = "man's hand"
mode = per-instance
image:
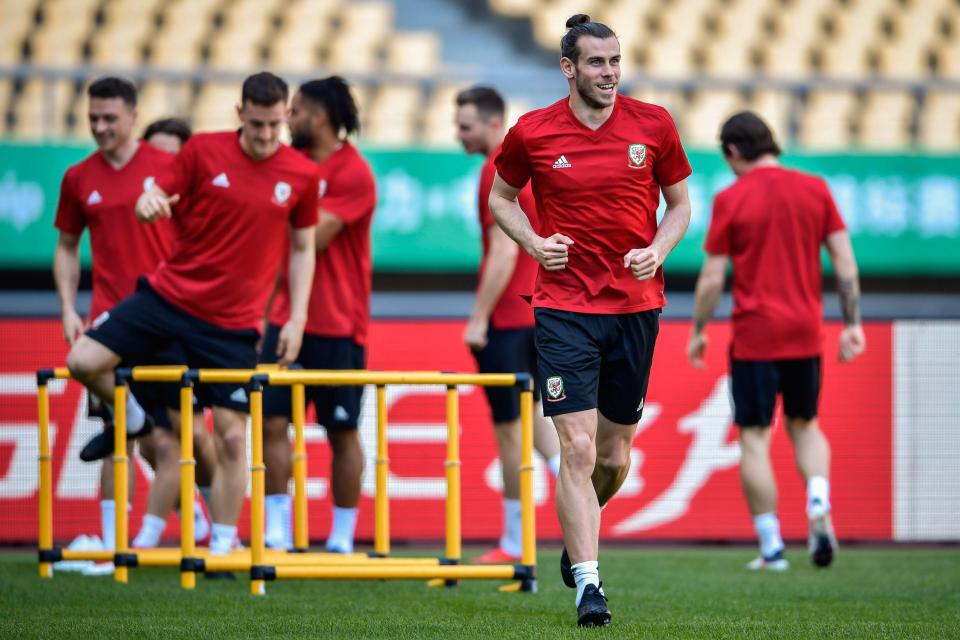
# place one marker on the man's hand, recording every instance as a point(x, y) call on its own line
point(853, 342)
point(288, 343)
point(154, 204)
point(551, 252)
point(642, 262)
point(72, 326)
point(696, 348)
point(475, 334)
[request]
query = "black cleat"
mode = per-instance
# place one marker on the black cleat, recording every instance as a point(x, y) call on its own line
point(101, 445)
point(822, 542)
point(566, 571)
point(592, 610)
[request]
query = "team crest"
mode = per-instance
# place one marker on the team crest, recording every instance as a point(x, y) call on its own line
point(281, 192)
point(148, 183)
point(555, 389)
point(322, 190)
point(638, 155)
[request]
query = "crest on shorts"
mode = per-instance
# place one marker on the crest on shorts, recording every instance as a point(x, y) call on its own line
point(555, 390)
point(281, 192)
point(638, 155)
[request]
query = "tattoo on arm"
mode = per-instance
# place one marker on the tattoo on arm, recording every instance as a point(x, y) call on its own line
point(848, 289)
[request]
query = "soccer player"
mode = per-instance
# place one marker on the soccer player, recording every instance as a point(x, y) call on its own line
point(598, 162)
point(500, 329)
point(168, 134)
point(770, 224)
point(241, 192)
point(323, 114)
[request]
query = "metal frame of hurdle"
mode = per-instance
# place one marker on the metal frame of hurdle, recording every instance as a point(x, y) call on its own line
point(266, 564)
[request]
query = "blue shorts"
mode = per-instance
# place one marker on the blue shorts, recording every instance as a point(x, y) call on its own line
point(507, 351)
point(338, 408)
point(145, 324)
point(595, 361)
point(756, 383)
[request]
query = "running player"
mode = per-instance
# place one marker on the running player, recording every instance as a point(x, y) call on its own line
point(598, 162)
point(771, 223)
point(500, 328)
point(241, 191)
point(323, 114)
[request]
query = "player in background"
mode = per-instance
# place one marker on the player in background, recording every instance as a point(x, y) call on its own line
point(168, 134)
point(242, 191)
point(99, 194)
point(598, 162)
point(500, 329)
point(771, 224)
point(323, 114)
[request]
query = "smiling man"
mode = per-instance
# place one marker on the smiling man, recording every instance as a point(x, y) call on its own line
point(598, 162)
point(241, 192)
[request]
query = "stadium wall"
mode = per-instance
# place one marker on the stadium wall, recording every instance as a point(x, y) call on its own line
point(892, 418)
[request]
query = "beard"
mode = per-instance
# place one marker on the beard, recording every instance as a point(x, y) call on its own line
point(584, 89)
point(301, 140)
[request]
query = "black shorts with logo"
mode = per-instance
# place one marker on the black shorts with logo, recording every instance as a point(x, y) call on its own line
point(507, 351)
point(756, 383)
point(336, 407)
point(145, 324)
point(601, 361)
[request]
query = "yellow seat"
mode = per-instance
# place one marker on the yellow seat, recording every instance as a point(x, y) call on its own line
point(392, 117)
point(239, 43)
point(672, 100)
point(669, 51)
point(549, 20)
point(16, 18)
point(413, 53)
point(66, 24)
point(774, 107)
point(439, 128)
point(797, 26)
point(826, 121)
point(306, 26)
point(357, 45)
point(128, 27)
point(730, 52)
point(857, 27)
point(885, 120)
point(516, 8)
point(215, 109)
point(940, 122)
point(185, 25)
point(40, 109)
point(159, 99)
point(707, 112)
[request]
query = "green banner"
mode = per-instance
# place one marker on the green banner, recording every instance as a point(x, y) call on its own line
point(902, 210)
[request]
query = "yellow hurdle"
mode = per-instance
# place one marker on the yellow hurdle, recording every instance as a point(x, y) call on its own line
point(188, 479)
point(301, 540)
point(45, 501)
point(257, 473)
point(381, 533)
point(453, 474)
point(120, 461)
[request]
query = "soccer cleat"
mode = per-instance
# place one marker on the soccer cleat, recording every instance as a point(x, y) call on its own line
point(566, 570)
point(592, 610)
point(101, 445)
point(823, 542)
point(775, 562)
point(497, 556)
point(99, 569)
point(80, 543)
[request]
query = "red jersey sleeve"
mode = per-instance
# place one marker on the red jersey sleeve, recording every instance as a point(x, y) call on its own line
point(832, 221)
point(671, 165)
point(513, 163)
point(70, 217)
point(483, 195)
point(178, 175)
point(305, 214)
point(350, 194)
point(718, 236)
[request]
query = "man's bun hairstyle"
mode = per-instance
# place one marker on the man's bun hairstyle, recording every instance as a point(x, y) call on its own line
point(581, 25)
point(333, 95)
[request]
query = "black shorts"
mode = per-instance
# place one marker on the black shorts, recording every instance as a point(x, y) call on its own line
point(756, 383)
point(337, 408)
point(595, 361)
point(507, 351)
point(145, 324)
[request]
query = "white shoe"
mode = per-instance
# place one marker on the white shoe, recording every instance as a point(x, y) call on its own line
point(80, 543)
point(99, 569)
point(201, 526)
point(776, 562)
point(822, 543)
point(276, 540)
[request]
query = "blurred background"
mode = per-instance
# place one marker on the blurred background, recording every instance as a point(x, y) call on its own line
point(864, 92)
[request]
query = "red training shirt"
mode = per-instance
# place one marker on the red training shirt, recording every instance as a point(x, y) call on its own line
point(772, 222)
point(340, 298)
point(93, 194)
point(232, 226)
point(512, 311)
point(601, 188)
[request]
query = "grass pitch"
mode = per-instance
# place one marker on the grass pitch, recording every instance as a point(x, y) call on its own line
point(654, 593)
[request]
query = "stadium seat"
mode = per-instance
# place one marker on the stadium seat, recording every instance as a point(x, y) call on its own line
point(164, 100)
point(775, 108)
point(58, 41)
point(673, 100)
point(730, 52)
point(826, 120)
point(939, 122)
point(129, 25)
point(185, 24)
point(40, 109)
point(796, 25)
point(215, 108)
point(707, 112)
point(886, 119)
point(392, 116)
point(414, 53)
point(914, 24)
point(306, 26)
point(669, 52)
point(16, 19)
point(240, 42)
point(439, 129)
point(855, 28)
point(516, 8)
point(357, 45)
point(630, 18)
point(517, 108)
point(549, 20)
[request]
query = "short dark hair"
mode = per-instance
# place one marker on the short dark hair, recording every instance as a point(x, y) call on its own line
point(487, 100)
point(749, 134)
point(264, 89)
point(171, 126)
point(333, 95)
point(581, 25)
point(113, 87)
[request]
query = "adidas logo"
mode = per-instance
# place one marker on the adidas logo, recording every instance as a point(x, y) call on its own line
point(94, 198)
point(562, 163)
point(239, 395)
point(221, 181)
point(340, 414)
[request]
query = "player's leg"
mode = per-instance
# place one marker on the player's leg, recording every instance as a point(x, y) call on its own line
point(277, 451)
point(230, 482)
point(614, 442)
point(165, 489)
point(545, 440)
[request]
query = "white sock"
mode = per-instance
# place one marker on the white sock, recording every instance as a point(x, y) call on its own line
point(278, 508)
point(554, 463)
point(108, 523)
point(150, 531)
point(585, 573)
point(221, 542)
point(768, 530)
point(342, 529)
point(818, 496)
point(201, 527)
point(135, 414)
point(512, 539)
point(205, 493)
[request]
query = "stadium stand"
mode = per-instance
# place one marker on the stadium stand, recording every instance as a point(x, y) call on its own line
point(872, 74)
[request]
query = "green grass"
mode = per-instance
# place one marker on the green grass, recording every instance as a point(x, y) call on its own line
point(654, 593)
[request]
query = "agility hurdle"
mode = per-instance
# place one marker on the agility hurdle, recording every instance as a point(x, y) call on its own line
point(264, 564)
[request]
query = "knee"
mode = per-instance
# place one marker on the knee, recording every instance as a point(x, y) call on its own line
point(232, 444)
point(579, 453)
point(276, 431)
point(344, 442)
point(615, 457)
point(78, 365)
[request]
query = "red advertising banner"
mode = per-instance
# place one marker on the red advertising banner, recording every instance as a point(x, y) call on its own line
point(683, 484)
